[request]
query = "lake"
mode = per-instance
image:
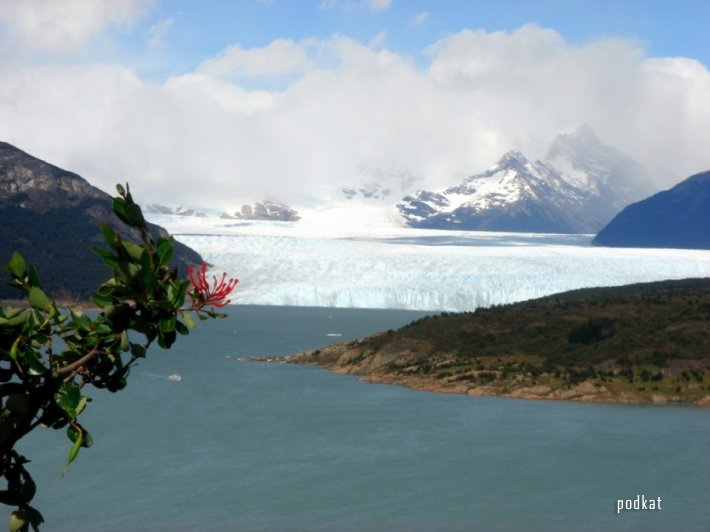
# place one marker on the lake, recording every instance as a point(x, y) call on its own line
point(237, 445)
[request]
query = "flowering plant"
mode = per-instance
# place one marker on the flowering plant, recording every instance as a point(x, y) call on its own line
point(202, 294)
point(41, 386)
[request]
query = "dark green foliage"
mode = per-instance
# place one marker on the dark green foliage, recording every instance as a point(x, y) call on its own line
point(594, 330)
point(655, 332)
point(142, 302)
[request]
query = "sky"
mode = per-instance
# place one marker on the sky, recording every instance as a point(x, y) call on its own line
point(216, 104)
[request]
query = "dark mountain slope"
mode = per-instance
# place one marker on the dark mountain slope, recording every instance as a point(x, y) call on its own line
point(675, 218)
point(52, 217)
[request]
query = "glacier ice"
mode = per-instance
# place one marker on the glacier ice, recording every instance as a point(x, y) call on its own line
point(280, 264)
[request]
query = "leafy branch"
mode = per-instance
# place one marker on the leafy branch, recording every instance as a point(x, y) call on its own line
point(143, 301)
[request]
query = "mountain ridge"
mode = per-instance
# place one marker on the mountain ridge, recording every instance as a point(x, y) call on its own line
point(52, 217)
point(675, 218)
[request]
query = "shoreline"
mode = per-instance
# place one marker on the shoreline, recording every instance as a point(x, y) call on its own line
point(336, 358)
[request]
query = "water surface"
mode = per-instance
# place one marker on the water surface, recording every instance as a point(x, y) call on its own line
point(240, 445)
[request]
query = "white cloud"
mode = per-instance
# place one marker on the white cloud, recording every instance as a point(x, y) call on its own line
point(350, 113)
point(419, 19)
point(278, 58)
point(61, 26)
point(157, 33)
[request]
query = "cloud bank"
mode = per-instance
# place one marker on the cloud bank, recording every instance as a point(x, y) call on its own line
point(64, 25)
point(296, 120)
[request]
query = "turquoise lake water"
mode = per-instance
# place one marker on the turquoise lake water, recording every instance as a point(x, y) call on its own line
point(239, 445)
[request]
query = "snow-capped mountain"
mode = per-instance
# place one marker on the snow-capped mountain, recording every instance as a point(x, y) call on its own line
point(580, 186)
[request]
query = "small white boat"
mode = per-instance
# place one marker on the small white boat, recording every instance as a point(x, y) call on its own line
point(175, 377)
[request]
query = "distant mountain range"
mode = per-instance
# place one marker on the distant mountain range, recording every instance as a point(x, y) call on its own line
point(578, 188)
point(52, 217)
point(155, 208)
point(675, 218)
point(267, 210)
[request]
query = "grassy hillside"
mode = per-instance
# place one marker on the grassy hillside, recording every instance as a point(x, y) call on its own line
point(637, 343)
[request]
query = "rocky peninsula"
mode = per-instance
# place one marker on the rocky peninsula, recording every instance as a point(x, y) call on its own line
point(643, 343)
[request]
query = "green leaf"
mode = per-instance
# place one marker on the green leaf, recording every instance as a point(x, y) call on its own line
point(28, 489)
point(165, 340)
point(187, 318)
point(15, 320)
point(125, 343)
point(102, 301)
point(168, 325)
point(109, 235)
point(35, 518)
point(135, 215)
point(119, 207)
point(17, 265)
point(73, 451)
point(38, 299)
point(148, 274)
point(138, 350)
point(108, 258)
point(67, 398)
point(181, 328)
point(33, 276)
point(18, 521)
point(82, 404)
point(134, 250)
point(73, 434)
point(35, 364)
point(165, 250)
point(14, 348)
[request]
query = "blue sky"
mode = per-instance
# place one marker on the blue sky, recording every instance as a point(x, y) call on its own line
point(294, 99)
point(201, 29)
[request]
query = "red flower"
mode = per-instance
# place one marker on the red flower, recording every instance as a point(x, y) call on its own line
point(203, 294)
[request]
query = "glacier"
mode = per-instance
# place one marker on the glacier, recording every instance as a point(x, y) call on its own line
point(347, 262)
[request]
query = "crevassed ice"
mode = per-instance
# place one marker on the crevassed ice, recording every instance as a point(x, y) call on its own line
point(419, 269)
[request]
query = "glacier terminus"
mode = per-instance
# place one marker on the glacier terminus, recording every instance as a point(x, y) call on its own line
point(327, 260)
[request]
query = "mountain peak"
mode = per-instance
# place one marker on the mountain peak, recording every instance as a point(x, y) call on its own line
point(585, 134)
point(512, 158)
point(582, 139)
